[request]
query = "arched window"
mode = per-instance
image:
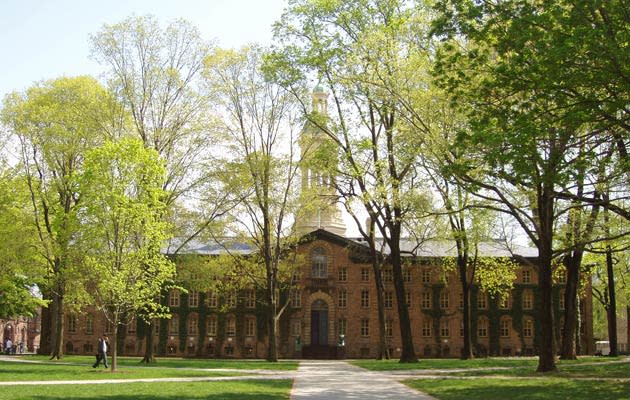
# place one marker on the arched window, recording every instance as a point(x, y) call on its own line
point(319, 263)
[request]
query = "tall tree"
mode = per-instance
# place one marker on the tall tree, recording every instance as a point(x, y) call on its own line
point(526, 126)
point(358, 49)
point(122, 232)
point(21, 266)
point(155, 72)
point(55, 122)
point(261, 167)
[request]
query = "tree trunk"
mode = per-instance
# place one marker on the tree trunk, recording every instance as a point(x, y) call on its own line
point(383, 349)
point(572, 264)
point(114, 347)
point(467, 351)
point(408, 354)
point(546, 360)
point(272, 354)
point(148, 358)
point(612, 307)
point(58, 327)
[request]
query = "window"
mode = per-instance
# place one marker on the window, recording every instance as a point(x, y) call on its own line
point(426, 275)
point(461, 329)
point(250, 298)
point(173, 298)
point(388, 275)
point(341, 326)
point(528, 328)
point(562, 275)
point(427, 327)
point(131, 326)
point(230, 326)
point(173, 325)
point(482, 327)
point(212, 325)
point(295, 277)
point(388, 299)
point(407, 275)
point(504, 302)
point(365, 327)
point(444, 328)
point(504, 328)
point(319, 263)
point(389, 327)
point(408, 298)
point(72, 323)
point(213, 299)
point(193, 325)
point(89, 324)
point(296, 298)
point(444, 299)
point(296, 327)
point(230, 299)
point(365, 298)
point(250, 327)
point(342, 298)
point(527, 276)
point(426, 300)
point(528, 300)
point(461, 300)
point(343, 274)
point(482, 300)
point(193, 299)
point(156, 327)
point(365, 274)
point(561, 300)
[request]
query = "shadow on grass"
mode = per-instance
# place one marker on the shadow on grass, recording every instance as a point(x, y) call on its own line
point(522, 389)
point(233, 390)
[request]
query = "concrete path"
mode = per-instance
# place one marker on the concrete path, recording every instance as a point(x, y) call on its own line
point(338, 380)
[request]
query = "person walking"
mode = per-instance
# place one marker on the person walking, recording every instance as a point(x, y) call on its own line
point(101, 351)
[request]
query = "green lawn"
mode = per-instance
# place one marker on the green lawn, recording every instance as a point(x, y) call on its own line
point(233, 390)
point(181, 362)
point(547, 388)
point(14, 371)
point(565, 369)
point(451, 363)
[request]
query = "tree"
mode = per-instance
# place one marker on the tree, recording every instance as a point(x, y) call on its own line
point(260, 170)
point(359, 49)
point(55, 122)
point(526, 125)
point(155, 72)
point(122, 232)
point(21, 267)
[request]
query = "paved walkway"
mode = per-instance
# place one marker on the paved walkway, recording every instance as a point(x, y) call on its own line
point(338, 380)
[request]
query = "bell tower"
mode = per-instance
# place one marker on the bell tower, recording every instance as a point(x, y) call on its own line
point(319, 161)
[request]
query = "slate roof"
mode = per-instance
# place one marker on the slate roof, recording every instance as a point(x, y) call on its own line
point(409, 248)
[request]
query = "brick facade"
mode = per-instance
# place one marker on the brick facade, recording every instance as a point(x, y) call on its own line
point(339, 297)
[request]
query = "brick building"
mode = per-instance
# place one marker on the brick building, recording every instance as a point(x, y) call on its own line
point(336, 296)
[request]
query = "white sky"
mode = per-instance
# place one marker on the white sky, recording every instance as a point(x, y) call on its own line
point(46, 39)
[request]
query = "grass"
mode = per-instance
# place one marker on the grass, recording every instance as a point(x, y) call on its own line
point(233, 390)
point(179, 363)
point(14, 371)
point(565, 369)
point(546, 388)
point(446, 363)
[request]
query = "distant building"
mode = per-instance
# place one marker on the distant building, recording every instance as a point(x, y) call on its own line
point(21, 330)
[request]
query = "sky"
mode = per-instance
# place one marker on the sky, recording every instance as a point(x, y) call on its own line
point(46, 39)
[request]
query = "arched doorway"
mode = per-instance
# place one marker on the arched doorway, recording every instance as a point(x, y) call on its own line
point(319, 323)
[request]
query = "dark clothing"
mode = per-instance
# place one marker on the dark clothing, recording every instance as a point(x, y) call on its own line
point(101, 354)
